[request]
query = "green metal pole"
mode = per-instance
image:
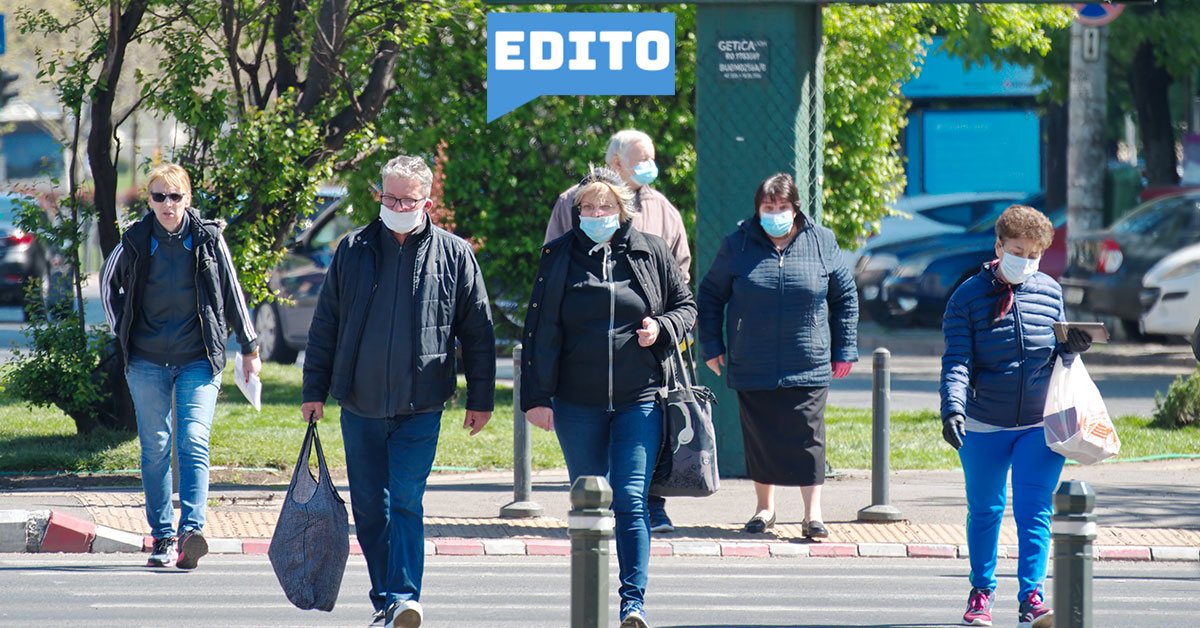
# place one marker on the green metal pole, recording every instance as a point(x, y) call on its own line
point(759, 110)
point(1073, 530)
point(590, 525)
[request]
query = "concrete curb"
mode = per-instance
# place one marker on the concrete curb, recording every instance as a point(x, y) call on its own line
point(52, 531)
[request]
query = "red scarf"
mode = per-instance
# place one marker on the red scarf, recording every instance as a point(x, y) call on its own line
point(1001, 288)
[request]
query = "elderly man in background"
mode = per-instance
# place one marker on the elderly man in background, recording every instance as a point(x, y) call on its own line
point(631, 155)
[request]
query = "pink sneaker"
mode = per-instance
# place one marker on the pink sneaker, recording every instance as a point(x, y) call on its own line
point(979, 608)
point(1035, 614)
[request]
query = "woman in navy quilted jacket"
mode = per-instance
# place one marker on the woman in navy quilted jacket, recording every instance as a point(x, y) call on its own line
point(1000, 352)
point(790, 328)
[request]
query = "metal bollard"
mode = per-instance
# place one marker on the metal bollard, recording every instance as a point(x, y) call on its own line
point(522, 504)
point(1073, 529)
point(590, 525)
point(881, 451)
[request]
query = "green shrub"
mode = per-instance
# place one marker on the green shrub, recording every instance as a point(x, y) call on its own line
point(1181, 406)
point(62, 367)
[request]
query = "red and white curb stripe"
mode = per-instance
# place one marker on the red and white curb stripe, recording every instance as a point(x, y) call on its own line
point(53, 531)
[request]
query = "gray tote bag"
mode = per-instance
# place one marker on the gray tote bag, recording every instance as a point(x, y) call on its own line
point(312, 538)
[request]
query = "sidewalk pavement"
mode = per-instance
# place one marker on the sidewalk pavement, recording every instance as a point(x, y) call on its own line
point(1145, 511)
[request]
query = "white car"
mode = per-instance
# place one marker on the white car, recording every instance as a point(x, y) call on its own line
point(1171, 296)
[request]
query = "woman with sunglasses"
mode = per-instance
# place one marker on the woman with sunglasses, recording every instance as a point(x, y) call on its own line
point(171, 295)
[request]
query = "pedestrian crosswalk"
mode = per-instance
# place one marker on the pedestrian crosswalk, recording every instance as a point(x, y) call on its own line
point(110, 591)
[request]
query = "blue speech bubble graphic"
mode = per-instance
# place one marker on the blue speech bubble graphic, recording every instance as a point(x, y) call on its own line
point(574, 54)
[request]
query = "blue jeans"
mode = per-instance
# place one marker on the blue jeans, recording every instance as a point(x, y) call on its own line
point(194, 389)
point(986, 458)
point(623, 446)
point(388, 462)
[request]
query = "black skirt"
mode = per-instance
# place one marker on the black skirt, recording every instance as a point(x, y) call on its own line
point(783, 431)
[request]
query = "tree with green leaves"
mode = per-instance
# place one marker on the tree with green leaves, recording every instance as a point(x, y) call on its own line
point(503, 177)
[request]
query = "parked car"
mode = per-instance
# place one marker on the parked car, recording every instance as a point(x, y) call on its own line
point(22, 257)
point(1171, 296)
point(932, 214)
point(283, 329)
point(918, 290)
point(878, 263)
point(1105, 269)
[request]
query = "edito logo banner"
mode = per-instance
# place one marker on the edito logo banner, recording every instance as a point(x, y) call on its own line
point(572, 54)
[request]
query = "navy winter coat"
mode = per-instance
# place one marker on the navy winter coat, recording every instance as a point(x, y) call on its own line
point(790, 313)
point(998, 371)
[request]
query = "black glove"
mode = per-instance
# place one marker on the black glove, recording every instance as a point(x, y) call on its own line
point(954, 426)
point(1078, 340)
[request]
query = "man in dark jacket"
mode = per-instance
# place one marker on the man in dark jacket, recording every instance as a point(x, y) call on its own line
point(397, 294)
point(171, 295)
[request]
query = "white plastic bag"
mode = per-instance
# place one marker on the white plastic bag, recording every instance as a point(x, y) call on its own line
point(1076, 422)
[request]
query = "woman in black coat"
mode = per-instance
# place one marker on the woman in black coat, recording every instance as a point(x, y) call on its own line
point(606, 304)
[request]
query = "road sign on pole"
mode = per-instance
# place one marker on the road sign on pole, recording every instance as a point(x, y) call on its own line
point(1097, 14)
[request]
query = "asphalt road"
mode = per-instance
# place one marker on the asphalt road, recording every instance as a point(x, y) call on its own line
point(497, 592)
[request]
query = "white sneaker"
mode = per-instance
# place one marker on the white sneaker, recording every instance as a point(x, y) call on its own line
point(407, 614)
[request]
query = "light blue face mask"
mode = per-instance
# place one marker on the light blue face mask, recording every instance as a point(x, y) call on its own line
point(600, 228)
point(777, 225)
point(644, 172)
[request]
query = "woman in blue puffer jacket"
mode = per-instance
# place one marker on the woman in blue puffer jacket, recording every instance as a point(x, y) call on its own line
point(1000, 352)
point(790, 328)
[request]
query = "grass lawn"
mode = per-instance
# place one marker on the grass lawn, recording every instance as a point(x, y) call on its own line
point(44, 440)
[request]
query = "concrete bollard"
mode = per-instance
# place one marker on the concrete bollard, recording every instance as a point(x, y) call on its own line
point(522, 504)
point(1073, 529)
point(881, 451)
point(590, 525)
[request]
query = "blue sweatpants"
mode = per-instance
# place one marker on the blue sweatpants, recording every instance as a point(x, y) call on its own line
point(986, 458)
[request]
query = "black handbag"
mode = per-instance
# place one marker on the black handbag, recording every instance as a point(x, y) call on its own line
point(311, 541)
point(687, 461)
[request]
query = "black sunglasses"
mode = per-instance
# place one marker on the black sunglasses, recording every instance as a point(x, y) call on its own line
point(159, 197)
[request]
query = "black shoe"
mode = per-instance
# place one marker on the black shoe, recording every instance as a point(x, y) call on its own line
point(378, 619)
point(814, 530)
point(758, 525)
point(192, 547)
point(163, 554)
point(659, 521)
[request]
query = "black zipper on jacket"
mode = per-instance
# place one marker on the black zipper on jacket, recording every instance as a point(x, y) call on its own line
point(1020, 356)
point(612, 314)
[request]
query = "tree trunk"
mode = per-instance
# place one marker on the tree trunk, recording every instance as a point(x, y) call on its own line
point(1150, 83)
point(122, 28)
point(1055, 139)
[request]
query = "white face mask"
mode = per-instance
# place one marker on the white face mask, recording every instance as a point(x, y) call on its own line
point(401, 222)
point(1015, 269)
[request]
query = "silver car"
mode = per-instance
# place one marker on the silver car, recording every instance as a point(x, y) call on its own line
point(283, 329)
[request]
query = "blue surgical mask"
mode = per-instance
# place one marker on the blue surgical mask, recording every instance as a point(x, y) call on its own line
point(1017, 270)
point(600, 228)
point(777, 225)
point(644, 172)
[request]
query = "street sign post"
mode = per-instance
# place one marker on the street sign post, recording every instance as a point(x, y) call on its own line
point(1097, 14)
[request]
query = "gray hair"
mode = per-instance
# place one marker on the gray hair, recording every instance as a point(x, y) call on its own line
point(413, 168)
point(600, 180)
point(621, 141)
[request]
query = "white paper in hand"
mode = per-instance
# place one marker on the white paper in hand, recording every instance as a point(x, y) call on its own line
point(251, 389)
